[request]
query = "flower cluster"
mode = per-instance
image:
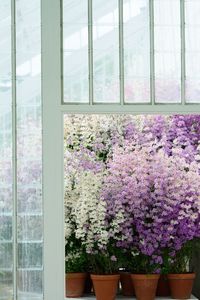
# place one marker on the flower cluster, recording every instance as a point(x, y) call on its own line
point(157, 195)
point(132, 184)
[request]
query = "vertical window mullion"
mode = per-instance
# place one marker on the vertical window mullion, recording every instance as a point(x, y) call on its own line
point(182, 15)
point(14, 146)
point(90, 52)
point(121, 52)
point(152, 52)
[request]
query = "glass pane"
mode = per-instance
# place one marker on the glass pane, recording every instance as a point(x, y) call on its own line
point(106, 51)
point(136, 51)
point(6, 253)
point(76, 88)
point(75, 12)
point(30, 284)
point(192, 12)
point(6, 178)
point(5, 44)
point(167, 38)
point(76, 37)
point(106, 76)
point(76, 76)
point(192, 46)
point(168, 90)
point(167, 12)
point(5, 228)
point(29, 255)
point(167, 46)
point(192, 41)
point(168, 65)
point(192, 90)
point(75, 48)
point(137, 90)
point(29, 156)
point(6, 279)
point(106, 14)
point(30, 227)
point(5, 92)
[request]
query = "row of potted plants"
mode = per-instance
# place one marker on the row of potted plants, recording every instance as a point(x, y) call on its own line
point(132, 197)
point(137, 277)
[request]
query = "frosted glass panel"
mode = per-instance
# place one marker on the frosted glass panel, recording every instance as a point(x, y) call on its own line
point(136, 51)
point(5, 92)
point(106, 76)
point(105, 51)
point(192, 12)
point(167, 46)
point(6, 178)
point(191, 38)
point(75, 51)
point(75, 12)
point(167, 38)
point(5, 227)
point(5, 44)
point(30, 227)
point(6, 255)
point(29, 151)
point(137, 90)
point(167, 12)
point(192, 46)
point(29, 255)
point(30, 284)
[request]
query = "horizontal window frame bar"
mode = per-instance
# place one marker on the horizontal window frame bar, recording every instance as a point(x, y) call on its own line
point(176, 108)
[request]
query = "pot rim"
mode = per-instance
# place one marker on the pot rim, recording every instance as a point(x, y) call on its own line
point(189, 275)
point(75, 274)
point(145, 276)
point(103, 276)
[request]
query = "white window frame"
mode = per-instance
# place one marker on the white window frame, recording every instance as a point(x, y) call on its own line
point(53, 111)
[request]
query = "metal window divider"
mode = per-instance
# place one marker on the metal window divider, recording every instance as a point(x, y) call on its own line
point(121, 51)
point(90, 52)
point(152, 52)
point(182, 24)
point(14, 145)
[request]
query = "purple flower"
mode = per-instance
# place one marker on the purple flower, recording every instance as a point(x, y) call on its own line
point(113, 258)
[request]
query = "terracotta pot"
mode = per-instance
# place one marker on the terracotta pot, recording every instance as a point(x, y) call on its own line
point(181, 285)
point(145, 285)
point(163, 286)
point(75, 284)
point(105, 286)
point(127, 284)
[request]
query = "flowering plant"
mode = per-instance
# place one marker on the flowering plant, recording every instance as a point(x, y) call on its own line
point(132, 186)
point(183, 257)
point(157, 195)
point(75, 256)
point(104, 261)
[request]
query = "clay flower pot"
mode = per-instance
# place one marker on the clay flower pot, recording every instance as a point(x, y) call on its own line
point(163, 286)
point(127, 284)
point(105, 286)
point(145, 285)
point(181, 285)
point(75, 284)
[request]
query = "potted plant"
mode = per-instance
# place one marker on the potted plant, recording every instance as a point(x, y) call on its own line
point(75, 267)
point(144, 276)
point(158, 197)
point(181, 278)
point(105, 277)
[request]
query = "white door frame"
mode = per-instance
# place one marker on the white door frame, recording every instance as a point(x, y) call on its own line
point(53, 111)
